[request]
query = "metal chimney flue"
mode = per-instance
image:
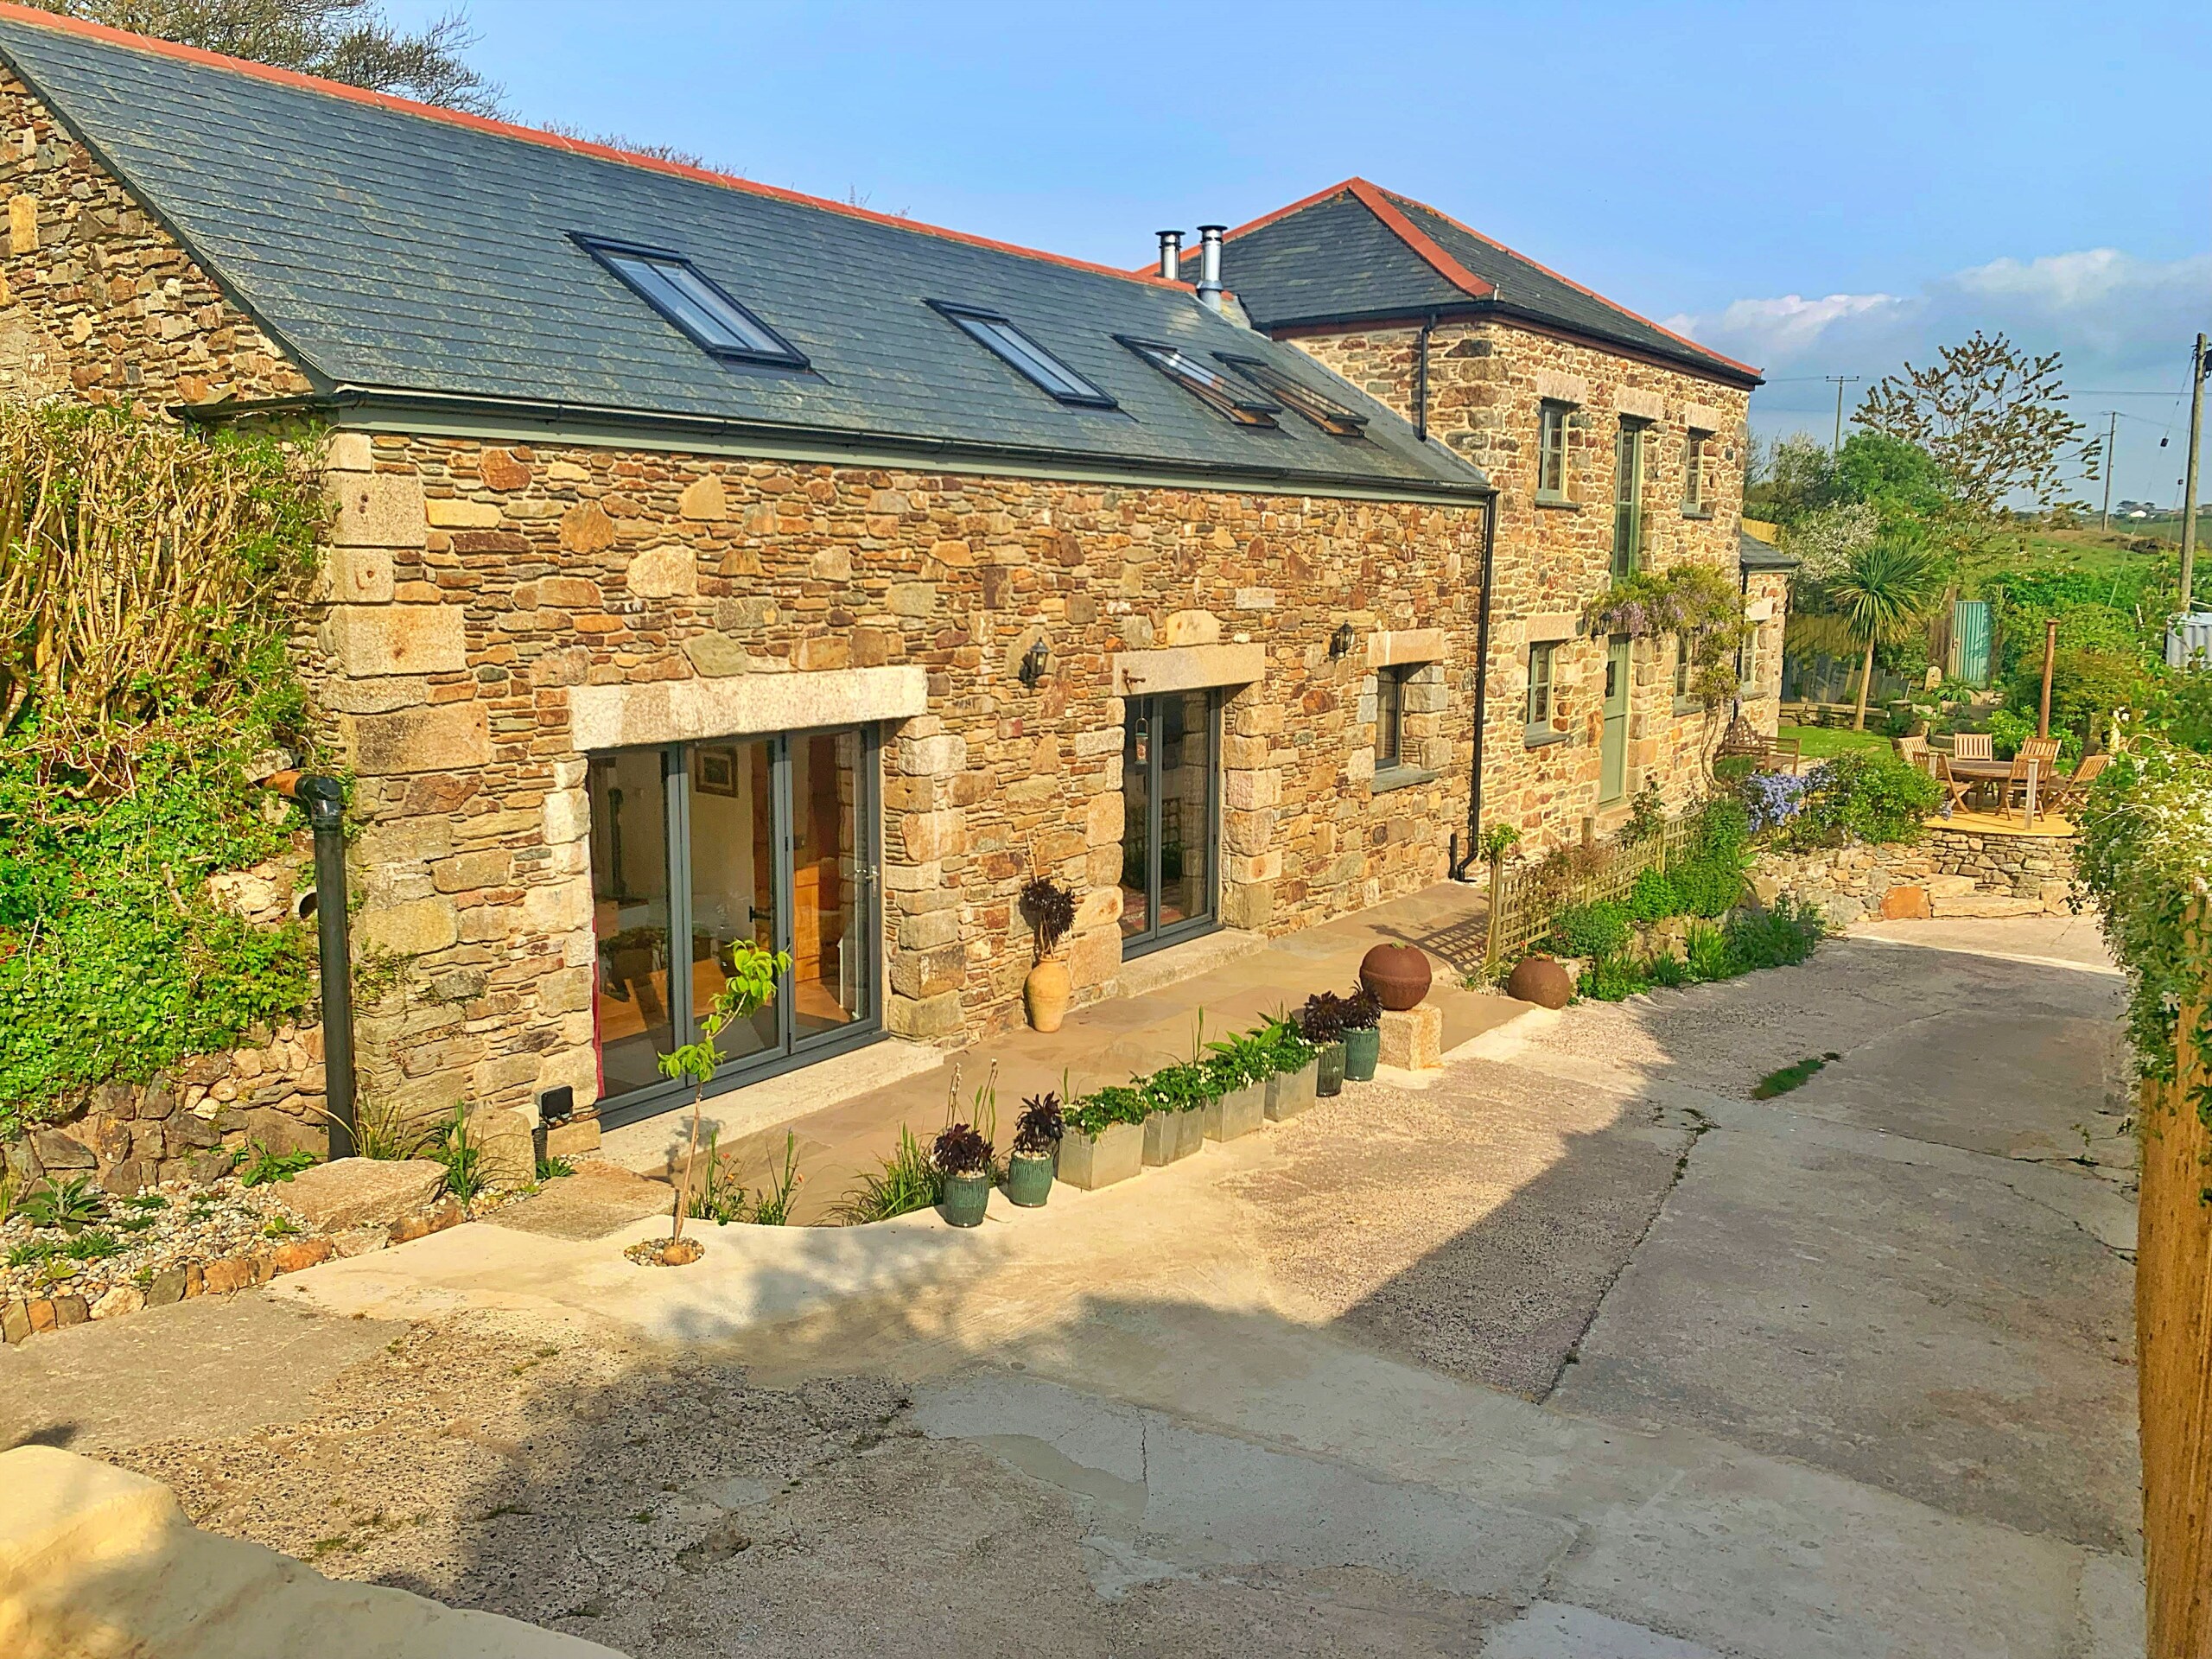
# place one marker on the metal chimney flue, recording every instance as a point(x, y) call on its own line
point(1210, 265)
point(1171, 256)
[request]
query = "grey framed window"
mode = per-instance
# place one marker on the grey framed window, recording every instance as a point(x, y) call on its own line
point(1551, 451)
point(1537, 717)
point(1683, 648)
point(1693, 471)
point(1390, 715)
point(1628, 497)
point(701, 309)
point(999, 334)
point(1225, 394)
point(1325, 412)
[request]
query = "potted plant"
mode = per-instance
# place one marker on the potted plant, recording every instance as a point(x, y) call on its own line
point(1321, 1022)
point(1102, 1138)
point(1292, 1063)
point(753, 975)
point(1241, 1068)
point(1049, 909)
point(1176, 1126)
point(962, 1156)
point(1362, 1035)
point(1036, 1146)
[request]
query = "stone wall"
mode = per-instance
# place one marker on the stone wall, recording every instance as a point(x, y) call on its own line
point(1946, 873)
point(1768, 593)
point(95, 299)
point(1486, 383)
point(482, 585)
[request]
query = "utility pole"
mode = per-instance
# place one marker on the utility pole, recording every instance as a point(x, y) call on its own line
point(1841, 381)
point(2198, 365)
point(2112, 438)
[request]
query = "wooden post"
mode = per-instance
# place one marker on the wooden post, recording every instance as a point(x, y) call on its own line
point(2049, 662)
point(1496, 909)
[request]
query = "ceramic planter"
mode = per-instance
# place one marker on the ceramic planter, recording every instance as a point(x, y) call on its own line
point(1046, 993)
point(1114, 1153)
point(1029, 1179)
point(1329, 1072)
point(1236, 1113)
point(966, 1197)
point(1166, 1138)
point(1362, 1048)
point(1290, 1093)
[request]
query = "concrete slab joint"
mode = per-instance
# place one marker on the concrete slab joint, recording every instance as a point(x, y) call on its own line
point(1187, 668)
point(620, 716)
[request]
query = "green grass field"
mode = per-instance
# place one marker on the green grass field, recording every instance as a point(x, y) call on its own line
point(1819, 742)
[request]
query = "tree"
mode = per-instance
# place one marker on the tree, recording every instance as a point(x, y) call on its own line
point(1798, 477)
point(1880, 594)
point(1993, 418)
point(337, 40)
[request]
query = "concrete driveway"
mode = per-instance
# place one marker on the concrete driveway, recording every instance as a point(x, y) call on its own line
point(1581, 1351)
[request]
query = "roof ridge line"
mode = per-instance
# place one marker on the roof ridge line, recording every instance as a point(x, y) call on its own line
point(1377, 201)
point(1589, 293)
point(36, 17)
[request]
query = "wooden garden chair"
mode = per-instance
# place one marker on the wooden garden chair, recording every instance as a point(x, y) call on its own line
point(2045, 749)
point(2063, 794)
point(2027, 771)
point(1972, 746)
point(1914, 752)
point(1954, 788)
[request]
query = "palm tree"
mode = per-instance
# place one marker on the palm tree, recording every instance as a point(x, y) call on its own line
point(1880, 594)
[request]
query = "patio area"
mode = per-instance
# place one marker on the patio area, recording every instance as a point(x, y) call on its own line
point(1230, 980)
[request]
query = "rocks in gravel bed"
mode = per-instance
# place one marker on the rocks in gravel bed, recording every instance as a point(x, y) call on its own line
point(362, 1191)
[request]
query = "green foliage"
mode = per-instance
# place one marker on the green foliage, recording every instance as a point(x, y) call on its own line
point(1240, 1059)
point(1706, 954)
point(1790, 1076)
point(1613, 978)
point(724, 1199)
point(1185, 1088)
point(92, 1247)
point(1781, 935)
point(280, 1227)
point(1654, 898)
point(753, 972)
point(1599, 929)
point(2144, 850)
point(553, 1169)
point(126, 734)
point(1903, 483)
point(263, 1168)
point(1101, 1109)
point(458, 1150)
point(1706, 887)
point(1669, 972)
point(71, 1205)
point(1498, 840)
point(1750, 940)
point(904, 1182)
point(1863, 796)
point(2087, 688)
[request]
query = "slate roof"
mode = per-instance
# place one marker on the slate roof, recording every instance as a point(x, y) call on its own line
point(1756, 554)
point(1357, 251)
point(409, 250)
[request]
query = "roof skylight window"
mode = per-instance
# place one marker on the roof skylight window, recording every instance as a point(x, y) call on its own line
point(1319, 408)
point(1207, 384)
point(1037, 364)
point(676, 288)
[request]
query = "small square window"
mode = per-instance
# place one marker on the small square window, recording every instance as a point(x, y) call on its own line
point(1538, 718)
point(1551, 452)
point(1219, 392)
point(990, 329)
point(1323, 410)
point(1390, 715)
point(676, 288)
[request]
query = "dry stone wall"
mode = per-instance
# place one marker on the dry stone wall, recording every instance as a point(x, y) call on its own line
point(1946, 873)
point(1487, 382)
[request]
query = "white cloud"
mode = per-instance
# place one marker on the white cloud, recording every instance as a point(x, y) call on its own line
point(1764, 331)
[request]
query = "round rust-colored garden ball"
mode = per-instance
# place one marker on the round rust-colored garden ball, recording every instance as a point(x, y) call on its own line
point(1398, 974)
point(1540, 981)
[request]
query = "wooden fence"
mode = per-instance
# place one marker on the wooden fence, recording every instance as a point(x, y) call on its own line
point(1523, 900)
point(2173, 1321)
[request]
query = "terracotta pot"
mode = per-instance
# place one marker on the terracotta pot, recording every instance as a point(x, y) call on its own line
point(1540, 981)
point(1398, 974)
point(1046, 993)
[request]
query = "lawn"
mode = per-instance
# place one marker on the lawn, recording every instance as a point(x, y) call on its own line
point(1819, 742)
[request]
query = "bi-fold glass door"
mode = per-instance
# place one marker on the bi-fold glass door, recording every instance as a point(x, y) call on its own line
point(1170, 814)
point(697, 848)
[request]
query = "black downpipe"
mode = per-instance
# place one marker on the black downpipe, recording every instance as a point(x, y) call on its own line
point(1460, 866)
point(1420, 381)
point(325, 800)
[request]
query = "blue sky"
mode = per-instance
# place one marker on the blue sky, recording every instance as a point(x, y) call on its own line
point(1818, 189)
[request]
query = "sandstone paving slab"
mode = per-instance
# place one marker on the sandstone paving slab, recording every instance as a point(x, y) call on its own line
point(363, 1192)
point(598, 1199)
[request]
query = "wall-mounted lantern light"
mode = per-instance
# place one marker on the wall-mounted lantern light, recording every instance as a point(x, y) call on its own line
point(1033, 664)
point(1340, 641)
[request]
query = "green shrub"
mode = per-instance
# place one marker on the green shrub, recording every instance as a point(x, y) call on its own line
point(1862, 796)
point(1709, 957)
point(1671, 972)
point(1104, 1108)
point(1708, 886)
point(1612, 978)
point(1779, 937)
point(906, 1181)
point(1183, 1088)
point(1653, 899)
point(1599, 929)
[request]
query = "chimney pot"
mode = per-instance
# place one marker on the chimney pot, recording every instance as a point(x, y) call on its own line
point(1171, 256)
point(1210, 265)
